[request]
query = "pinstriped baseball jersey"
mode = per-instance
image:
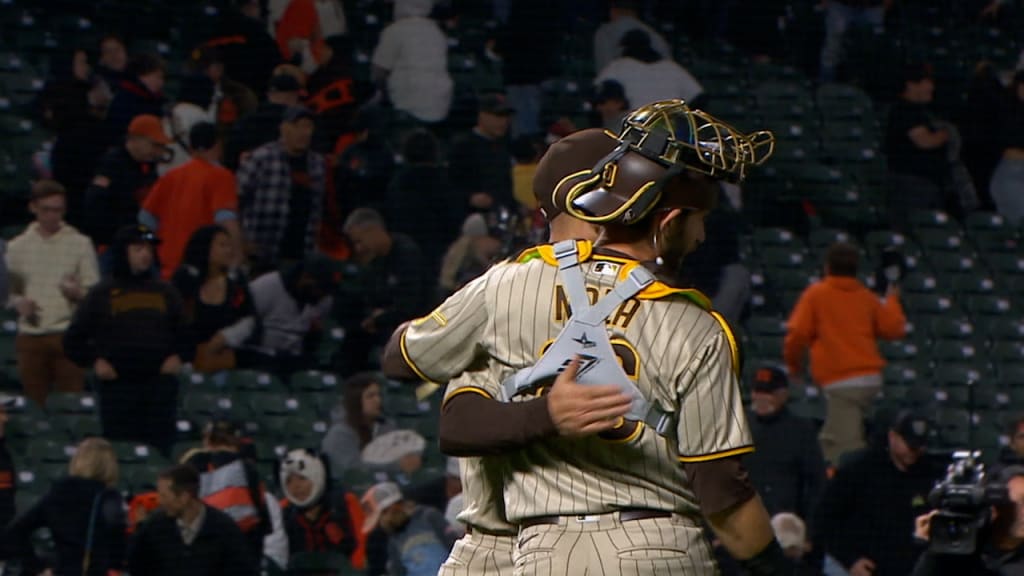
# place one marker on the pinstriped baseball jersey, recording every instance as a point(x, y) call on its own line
point(482, 478)
point(678, 352)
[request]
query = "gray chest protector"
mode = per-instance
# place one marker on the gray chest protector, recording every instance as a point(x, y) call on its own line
point(586, 336)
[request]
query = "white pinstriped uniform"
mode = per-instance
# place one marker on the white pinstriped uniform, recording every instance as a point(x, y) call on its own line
point(680, 354)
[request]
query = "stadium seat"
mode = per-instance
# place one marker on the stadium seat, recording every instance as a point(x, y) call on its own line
point(821, 238)
point(80, 426)
point(1001, 328)
point(898, 351)
point(879, 240)
point(981, 305)
point(275, 404)
point(949, 327)
point(70, 403)
point(775, 237)
point(939, 240)
point(202, 406)
point(843, 101)
point(954, 351)
point(1008, 352)
point(924, 219)
point(772, 326)
point(50, 449)
point(792, 280)
point(134, 453)
point(255, 381)
point(954, 427)
point(949, 263)
point(140, 477)
point(780, 257)
point(314, 381)
point(928, 304)
point(949, 374)
point(972, 285)
point(920, 283)
point(1010, 264)
point(902, 374)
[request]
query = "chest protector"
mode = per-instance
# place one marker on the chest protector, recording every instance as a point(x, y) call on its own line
point(585, 335)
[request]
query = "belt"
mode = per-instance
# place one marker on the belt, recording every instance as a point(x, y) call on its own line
point(625, 515)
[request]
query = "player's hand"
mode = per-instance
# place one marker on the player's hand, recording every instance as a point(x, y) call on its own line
point(104, 370)
point(26, 308)
point(171, 365)
point(862, 567)
point(923, 526)
point(579, 410)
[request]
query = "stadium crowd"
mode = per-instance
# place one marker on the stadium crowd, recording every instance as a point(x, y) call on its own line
point(224, 234)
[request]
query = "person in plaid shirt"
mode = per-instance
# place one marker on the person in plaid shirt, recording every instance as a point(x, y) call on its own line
point(281, 188)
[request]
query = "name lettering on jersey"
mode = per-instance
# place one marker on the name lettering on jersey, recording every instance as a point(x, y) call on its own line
point(621, 318)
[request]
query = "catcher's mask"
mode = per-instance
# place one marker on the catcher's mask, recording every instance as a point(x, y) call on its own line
point(659, 143)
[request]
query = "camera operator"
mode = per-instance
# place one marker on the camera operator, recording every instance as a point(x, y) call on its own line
point(1000, 549)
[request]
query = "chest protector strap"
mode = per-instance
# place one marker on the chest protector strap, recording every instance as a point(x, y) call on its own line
point(586, 336)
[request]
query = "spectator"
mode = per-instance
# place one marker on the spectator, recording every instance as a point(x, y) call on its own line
point(298, 35)
point(791, 532)
point(418, 536)
point(438, 491)
point(198, 193)
point(469, 256)
point(73, 105)
point(290, 305)
point(231, 483)
point(281, 188)
point(479, 165)
point(334, 94)
point(1008, 178)
point(1013, 453)
point(982, 116)
point(392, 286)
point(231, 100)
point(263, 125)
point(249, 51)
point(140, 93)
point(611, 105)
point(788, 468)
point(195, 101)
point(123, 179)
point(355, 421)
point(113, 62)
point(51, 267)
point(419, 187)
point(316, 517)
point(218, 308)
point(411, 60)
point(647, 76)
point(842, 339)
point(7, 470)
point(866, 516)
point(839, 16)
point(623, 18)
point(399, 453)
point(129, 330)
point(84, 513)
point(530, 23)
point(187, 537)
point(365, 166)
point(923, 152)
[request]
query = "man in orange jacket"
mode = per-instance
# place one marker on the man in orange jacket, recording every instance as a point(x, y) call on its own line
point(840, 320)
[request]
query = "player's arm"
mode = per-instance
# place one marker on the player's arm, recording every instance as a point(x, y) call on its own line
point(441, 345)
point(712, 434)
point(473, 423)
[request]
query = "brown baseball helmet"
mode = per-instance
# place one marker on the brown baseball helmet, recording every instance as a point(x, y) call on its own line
point(667, 156)
point(576, 153)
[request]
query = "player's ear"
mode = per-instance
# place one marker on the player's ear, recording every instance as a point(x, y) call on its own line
point(667, 218)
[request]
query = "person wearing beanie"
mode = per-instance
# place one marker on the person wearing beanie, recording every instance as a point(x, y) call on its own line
point(316, 518)
point(129, 330)
point(198, 193)
point(418, 536)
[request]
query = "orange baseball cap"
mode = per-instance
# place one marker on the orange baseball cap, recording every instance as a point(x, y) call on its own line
point(149, 126)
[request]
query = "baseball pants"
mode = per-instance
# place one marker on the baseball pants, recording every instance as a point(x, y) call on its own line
point(477, 554)
point(601, 545)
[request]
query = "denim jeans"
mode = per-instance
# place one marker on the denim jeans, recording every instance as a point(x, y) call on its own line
point(838, 18)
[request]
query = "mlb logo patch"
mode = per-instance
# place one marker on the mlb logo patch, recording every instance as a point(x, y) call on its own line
point(606, 268)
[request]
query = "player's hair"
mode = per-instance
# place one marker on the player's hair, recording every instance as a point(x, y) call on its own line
point(183, 478)
point(842, 259)
point(95, 459)
point(363, 217)
point(352, 404)
point(46, 188)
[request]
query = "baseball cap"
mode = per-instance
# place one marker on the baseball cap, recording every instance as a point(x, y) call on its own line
point(609, 90)
point(769, 379)
point(296, 113)
point(377, 499)
point(494, 103)
point(284, 83)
point(388, 448)
point(577, 152)
point(914, 428)
point(149, 126)
point(136, 234)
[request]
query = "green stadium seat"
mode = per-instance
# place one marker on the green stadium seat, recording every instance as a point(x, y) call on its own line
point(949, 263)
point(972, 285)
point(954, 351)
point(996, 241)
point(301, 432)
point(275, 404)
point(255, 381)
point(1010, 352)
point(939, 240)
point(80, 426)
point(843, 101)
point(315, 381)
point(140, 477)
point(956, 374)
point(1001, 328)
point(950, 327)
point(879, 240)
point(50, 449)
point(898, 351)
point(1011, 375)
point(979, 221)
point(779, 257)
point(923, 219)
point(792, 280)
point(202, 406)
point(772, 326)
point(821, 238)
point(954, 426)
point(1010, 264)
point(775, 237)
point(920, 282)
point(902, 374)
point(70, 403)
point(134, 453)
point(187, 430)
point(980, 305)
point(928, 304)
